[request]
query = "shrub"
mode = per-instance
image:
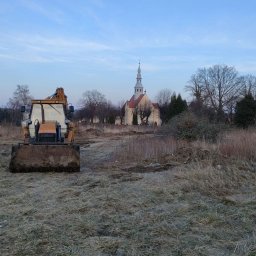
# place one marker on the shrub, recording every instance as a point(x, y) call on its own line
point(190, 127)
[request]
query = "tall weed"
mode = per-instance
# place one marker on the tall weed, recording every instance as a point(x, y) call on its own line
point(239, 144)
point(141, 148)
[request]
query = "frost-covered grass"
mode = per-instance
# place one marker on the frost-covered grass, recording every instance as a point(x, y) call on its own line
point(200, 207)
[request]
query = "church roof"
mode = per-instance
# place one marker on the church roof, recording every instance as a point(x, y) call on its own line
point(132, 103)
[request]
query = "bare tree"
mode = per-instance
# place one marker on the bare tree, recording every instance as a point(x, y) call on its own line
point(110, 113)
point(163, 97)
point(144, 111)
point(93, 103)
point(249, 85)
point(121, 110)
point(223, 86)
point(196, 86)
point(21, 97)
point(218, 87)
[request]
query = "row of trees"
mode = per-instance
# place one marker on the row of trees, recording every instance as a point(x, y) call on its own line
point(94, 105)
point(217, 89)
point(216, 93)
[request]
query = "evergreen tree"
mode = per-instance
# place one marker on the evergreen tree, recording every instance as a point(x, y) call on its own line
point(176, 106)
point(135, 119)
point(245, 112)
point(181, 105)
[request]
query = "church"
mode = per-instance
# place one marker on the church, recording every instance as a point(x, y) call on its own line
point(139, 109)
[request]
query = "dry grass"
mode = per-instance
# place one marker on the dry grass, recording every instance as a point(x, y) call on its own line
point(139, 149)
point(10, 132)
point(213, 169)
point(217, 180)
point(198, 208)
point(239, 144)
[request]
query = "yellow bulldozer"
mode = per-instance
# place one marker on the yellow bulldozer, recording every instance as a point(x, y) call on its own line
point(48, 138)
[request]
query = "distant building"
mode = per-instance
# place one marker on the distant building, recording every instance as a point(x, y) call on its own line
point(139, 108)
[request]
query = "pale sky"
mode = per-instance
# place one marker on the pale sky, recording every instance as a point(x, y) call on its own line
point(96, 44)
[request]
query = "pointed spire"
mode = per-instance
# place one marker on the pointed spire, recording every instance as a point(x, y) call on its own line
point(139, 77)
point(138, 89)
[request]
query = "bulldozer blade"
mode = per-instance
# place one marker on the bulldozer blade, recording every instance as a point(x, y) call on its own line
point(45, 158)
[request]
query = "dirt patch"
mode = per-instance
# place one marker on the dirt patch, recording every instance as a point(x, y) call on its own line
point(98, 152)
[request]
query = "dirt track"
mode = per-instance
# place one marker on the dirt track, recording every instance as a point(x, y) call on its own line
point(98, 151)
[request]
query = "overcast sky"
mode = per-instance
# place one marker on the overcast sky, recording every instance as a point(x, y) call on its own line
point(97, 44)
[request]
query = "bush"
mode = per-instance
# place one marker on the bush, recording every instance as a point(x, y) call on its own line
point(190, 127)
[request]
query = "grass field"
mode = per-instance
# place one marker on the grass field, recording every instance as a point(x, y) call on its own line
point(137, 194)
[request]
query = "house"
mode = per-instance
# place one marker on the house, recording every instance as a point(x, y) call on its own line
point(140, 109)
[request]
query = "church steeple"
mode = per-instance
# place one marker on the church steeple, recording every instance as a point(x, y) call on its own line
point(138, 89)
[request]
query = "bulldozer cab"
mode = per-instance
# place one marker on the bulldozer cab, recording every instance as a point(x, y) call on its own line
point(48, 122)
